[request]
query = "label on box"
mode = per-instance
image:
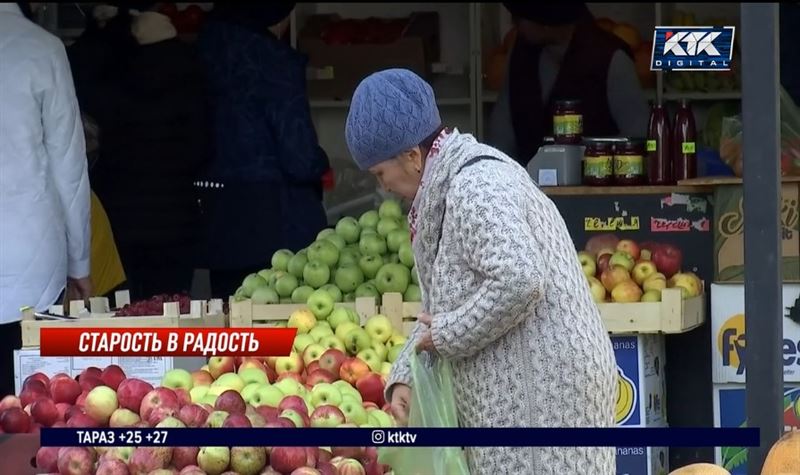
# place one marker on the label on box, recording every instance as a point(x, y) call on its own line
point(641, 382)
point(548, 177)
point(730, 411)
point(642, 461)
point(728, 333)
point(626, 352)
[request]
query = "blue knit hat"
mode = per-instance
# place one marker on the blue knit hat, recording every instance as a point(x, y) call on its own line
point(391, 111)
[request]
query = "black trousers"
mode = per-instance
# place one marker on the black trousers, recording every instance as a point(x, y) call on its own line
point(155, 271)
point(10, 340)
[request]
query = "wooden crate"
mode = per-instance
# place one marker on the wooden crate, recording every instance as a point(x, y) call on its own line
point(203, 314)
point(246, 314)
point(671, 315)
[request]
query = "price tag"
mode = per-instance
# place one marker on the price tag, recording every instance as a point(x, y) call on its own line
point(688, 147)
point(652, 146)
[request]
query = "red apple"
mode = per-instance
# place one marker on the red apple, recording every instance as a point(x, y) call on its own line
point(311, 367)
point(295, 376)
point(332, 360)
point(112, 467)
point(219, 365)
point(90, 382)
point(269, 413)
point(281, 423)
point(148, 459)
point(34, 391)
point(72, 411)
point(184, 397)
point(306, 471)
point(202, 377)
point(15, 421)
point(230, 401)
point(64, 390)
point(327, 416)
point(347, 452)
point(600, 242)
point(326, 468)
point(130, 393)
point(668, 259)
point(159, 404)
point(371, 388)
point(602, 263)
point(35, 428)
point(237, 420)
point(81, 401)
point(37, 377)
point(349, 466)
point(629, 246)
point(320, 376)
point(311, 456)
point(352, 369)
point(9, 402)
point(112, 375)
point(44, 411)
point(298, 418)
point(82, 421)
point(287, 459)
point(193, 470)
point(183, 457)
point(47, 459)
point(250, 362)
point(75, 461)
point(193, 415)
point(62, 408)
point(293, 402)
point(647, 249)
point(324, 455)
point(91, 370)
point(271, 374)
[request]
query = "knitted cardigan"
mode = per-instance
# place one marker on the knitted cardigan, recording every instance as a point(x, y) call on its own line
point(511, 310)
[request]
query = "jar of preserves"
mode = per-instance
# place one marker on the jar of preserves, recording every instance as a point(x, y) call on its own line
point(629, 163)
point(567, 122)
point(598, 163)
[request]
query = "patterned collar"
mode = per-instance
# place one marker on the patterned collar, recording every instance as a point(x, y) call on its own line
point(433, 153)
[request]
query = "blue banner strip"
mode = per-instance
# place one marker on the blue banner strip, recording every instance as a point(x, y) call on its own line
point(412, 437)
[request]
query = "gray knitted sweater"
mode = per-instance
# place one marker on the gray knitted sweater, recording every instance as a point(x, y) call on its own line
point(511, 311)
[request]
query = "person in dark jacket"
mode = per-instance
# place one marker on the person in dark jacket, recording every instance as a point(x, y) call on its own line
point(560, 53)
point(263, 191)
point(145, 88)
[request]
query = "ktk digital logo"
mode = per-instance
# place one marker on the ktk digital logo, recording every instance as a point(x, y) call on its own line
point(692, 48)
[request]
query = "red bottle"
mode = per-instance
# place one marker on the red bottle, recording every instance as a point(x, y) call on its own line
point(684, 147)
point(659, 162)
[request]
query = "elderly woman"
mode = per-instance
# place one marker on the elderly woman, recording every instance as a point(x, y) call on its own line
point(506, 302)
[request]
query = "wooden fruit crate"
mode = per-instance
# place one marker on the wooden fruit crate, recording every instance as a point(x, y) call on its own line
point(246, 314)
point(671, 315)
point(203, 314)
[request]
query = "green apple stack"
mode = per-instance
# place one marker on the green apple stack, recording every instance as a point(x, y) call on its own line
point(364, 257)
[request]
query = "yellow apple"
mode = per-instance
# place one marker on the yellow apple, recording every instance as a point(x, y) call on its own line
point(626, 291)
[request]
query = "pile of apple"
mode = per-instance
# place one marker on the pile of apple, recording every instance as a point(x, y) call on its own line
point(627, 271)
point(364, 257)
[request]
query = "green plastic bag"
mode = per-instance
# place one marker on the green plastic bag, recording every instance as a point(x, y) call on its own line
point(432, 405)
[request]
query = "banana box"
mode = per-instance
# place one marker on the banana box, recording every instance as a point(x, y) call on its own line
point(640, 369)
point(642, 461)
point(730, 411)
point(728, 336)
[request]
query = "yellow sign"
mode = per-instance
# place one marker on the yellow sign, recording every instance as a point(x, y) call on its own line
point(611, 224)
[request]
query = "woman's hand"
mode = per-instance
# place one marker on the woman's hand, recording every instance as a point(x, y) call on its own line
point(426, 339)
point(401, 401)
point(79, 289)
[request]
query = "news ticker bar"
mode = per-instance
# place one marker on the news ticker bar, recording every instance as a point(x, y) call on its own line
point(412, 437)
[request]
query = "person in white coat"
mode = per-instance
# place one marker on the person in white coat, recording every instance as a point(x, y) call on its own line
point(44, 185)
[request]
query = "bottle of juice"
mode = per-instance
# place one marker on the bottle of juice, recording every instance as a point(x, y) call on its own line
point(684, 155)
point(659, 163)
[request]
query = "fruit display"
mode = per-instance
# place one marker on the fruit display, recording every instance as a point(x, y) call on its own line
point(154, 305)
point(364, 257)
point(334, 377)
point(622, 270)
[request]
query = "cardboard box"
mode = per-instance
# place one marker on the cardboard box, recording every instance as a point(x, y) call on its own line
point(730, 411)
point(640, 365)
point(729, 233)
point(337, 69)
point(728, 336)
point(642, 461)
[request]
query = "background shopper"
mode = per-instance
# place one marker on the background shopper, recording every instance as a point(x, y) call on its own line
point(44, 185)
point(505, 300)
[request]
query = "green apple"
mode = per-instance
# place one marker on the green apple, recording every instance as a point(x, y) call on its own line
point(321, 304)
point(380, 349)
point(214, 459)
point(302, 340)
point(357, 340)
point(353, 411)
point(324, 233)
point(338, 316)
point(253, 375)
point(319, 332)
point(316, 274)
point(197, 393)
point(369, 220)
point(372, 245)
point(406, 255)
point(288, 386)
point(249, 391)
point(209, 399)
point(239, 295)
point(265, 296)
point(368, 290)
point(344, 328)
point(348, 278)
point(396, 239)
point(332, 341)
point(393, 258)
point(229, 381)
point(216, 419)
point(302, 293)
point(393, 278)
point(393, 353)
point(251, 283)
point(266, 274)
point(370, 265)
point(348, 390)
point(349, 257)
point(324, 251)
point(285, 300)
point(354, 316)
point(386, 369)
point(324, 324)
point(412, 294)
point(335, 292)
point(349, 396)
point(267, 395)
point(349, 229)
point(371, 358)
point(368, 231)
point(349, 297)
point(177, 378)
point(285, 285)
point(312, 353)
point(396, 340)
point(390, 209)
point(280, 260)
point(379, 328)
point(296, 265)
point(387, 225)
point(414, 276)
point(380, 418)
point(325, 393)
point(275, 276)
point(337, 240)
